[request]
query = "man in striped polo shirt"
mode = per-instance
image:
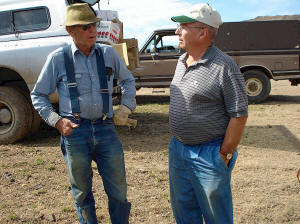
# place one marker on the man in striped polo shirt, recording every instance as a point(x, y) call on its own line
point(208, 113)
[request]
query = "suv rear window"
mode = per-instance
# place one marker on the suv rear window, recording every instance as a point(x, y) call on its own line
point(24, 20)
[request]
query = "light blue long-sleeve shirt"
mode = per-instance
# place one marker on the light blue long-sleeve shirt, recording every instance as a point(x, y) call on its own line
point(53, 76)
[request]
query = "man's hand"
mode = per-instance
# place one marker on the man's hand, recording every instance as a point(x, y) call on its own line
point(226, 161)
point(298, 175)
point(121, 117)
point(65, 126)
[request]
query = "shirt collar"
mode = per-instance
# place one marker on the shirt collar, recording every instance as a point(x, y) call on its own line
point(208, 55)
point(75, 49)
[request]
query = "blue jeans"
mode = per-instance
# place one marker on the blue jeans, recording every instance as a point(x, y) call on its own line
point(96, 140)
point(200, 183)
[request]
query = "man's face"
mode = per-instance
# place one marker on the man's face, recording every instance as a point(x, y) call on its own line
point(189, 34)
point(84, 36)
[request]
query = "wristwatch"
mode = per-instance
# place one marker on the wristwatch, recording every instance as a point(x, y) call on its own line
point(227, 154)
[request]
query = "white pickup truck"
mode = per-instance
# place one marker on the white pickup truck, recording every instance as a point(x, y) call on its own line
point(29, 31)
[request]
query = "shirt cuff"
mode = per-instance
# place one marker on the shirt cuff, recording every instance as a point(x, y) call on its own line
point(239, 114)
point(130, 105)
point(53, 118)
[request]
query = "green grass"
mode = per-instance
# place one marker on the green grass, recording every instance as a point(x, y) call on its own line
point(13, 217)
point(51, 167)
point(41, 192)
point(67, 210)
point(39, 162)
point(165, 152)
point(153, 108)
point(24, 172)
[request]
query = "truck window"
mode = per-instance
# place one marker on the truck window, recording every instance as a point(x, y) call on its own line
point(5, 23)
point(31, 19)
point(167, 44)
point(148, 48)
point(163, 44)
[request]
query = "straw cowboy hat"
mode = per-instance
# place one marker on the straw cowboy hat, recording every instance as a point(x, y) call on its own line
point(80, 14)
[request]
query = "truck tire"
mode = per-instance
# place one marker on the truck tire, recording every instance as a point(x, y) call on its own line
point(36, 119)
point(258, 86)
point(18, 120)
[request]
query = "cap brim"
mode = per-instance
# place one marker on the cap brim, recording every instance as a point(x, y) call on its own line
point(183, 19)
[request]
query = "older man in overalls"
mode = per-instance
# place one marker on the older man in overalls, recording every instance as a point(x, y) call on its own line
point(83, 74)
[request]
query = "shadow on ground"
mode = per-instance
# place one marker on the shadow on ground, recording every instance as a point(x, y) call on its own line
point(152, 133)
point(282, 99)
point(147, 99)
point(271, 136)
point(45, 136)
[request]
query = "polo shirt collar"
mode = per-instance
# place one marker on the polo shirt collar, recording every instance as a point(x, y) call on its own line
point(208, 55)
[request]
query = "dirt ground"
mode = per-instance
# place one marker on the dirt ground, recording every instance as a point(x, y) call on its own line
point(34, 184)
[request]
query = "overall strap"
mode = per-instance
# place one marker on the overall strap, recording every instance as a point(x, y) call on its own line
point(102, 80)
point(72, 84)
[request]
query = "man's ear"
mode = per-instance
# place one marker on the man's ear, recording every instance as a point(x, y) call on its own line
point(69, 30)
point(203, 33)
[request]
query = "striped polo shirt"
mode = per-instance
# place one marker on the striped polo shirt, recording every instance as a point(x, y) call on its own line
point(204, 96)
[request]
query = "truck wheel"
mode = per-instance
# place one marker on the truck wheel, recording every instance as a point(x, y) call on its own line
point(258, 86)
point(36, 119)
point(15, 115)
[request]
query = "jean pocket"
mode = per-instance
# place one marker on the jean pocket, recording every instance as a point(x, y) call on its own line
point(172, 143)
point(72, 134)
point(220, 162)
point(232, 161)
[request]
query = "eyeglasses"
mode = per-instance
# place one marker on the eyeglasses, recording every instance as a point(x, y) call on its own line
point(88, 26)
point(181, 27)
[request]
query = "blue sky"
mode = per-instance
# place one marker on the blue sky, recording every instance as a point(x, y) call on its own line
point(141, 17)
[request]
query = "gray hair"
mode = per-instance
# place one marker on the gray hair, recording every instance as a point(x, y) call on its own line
point(212, 31)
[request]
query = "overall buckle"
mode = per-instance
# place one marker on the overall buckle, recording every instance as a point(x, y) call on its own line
point(72, 84)
point(103, 90)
